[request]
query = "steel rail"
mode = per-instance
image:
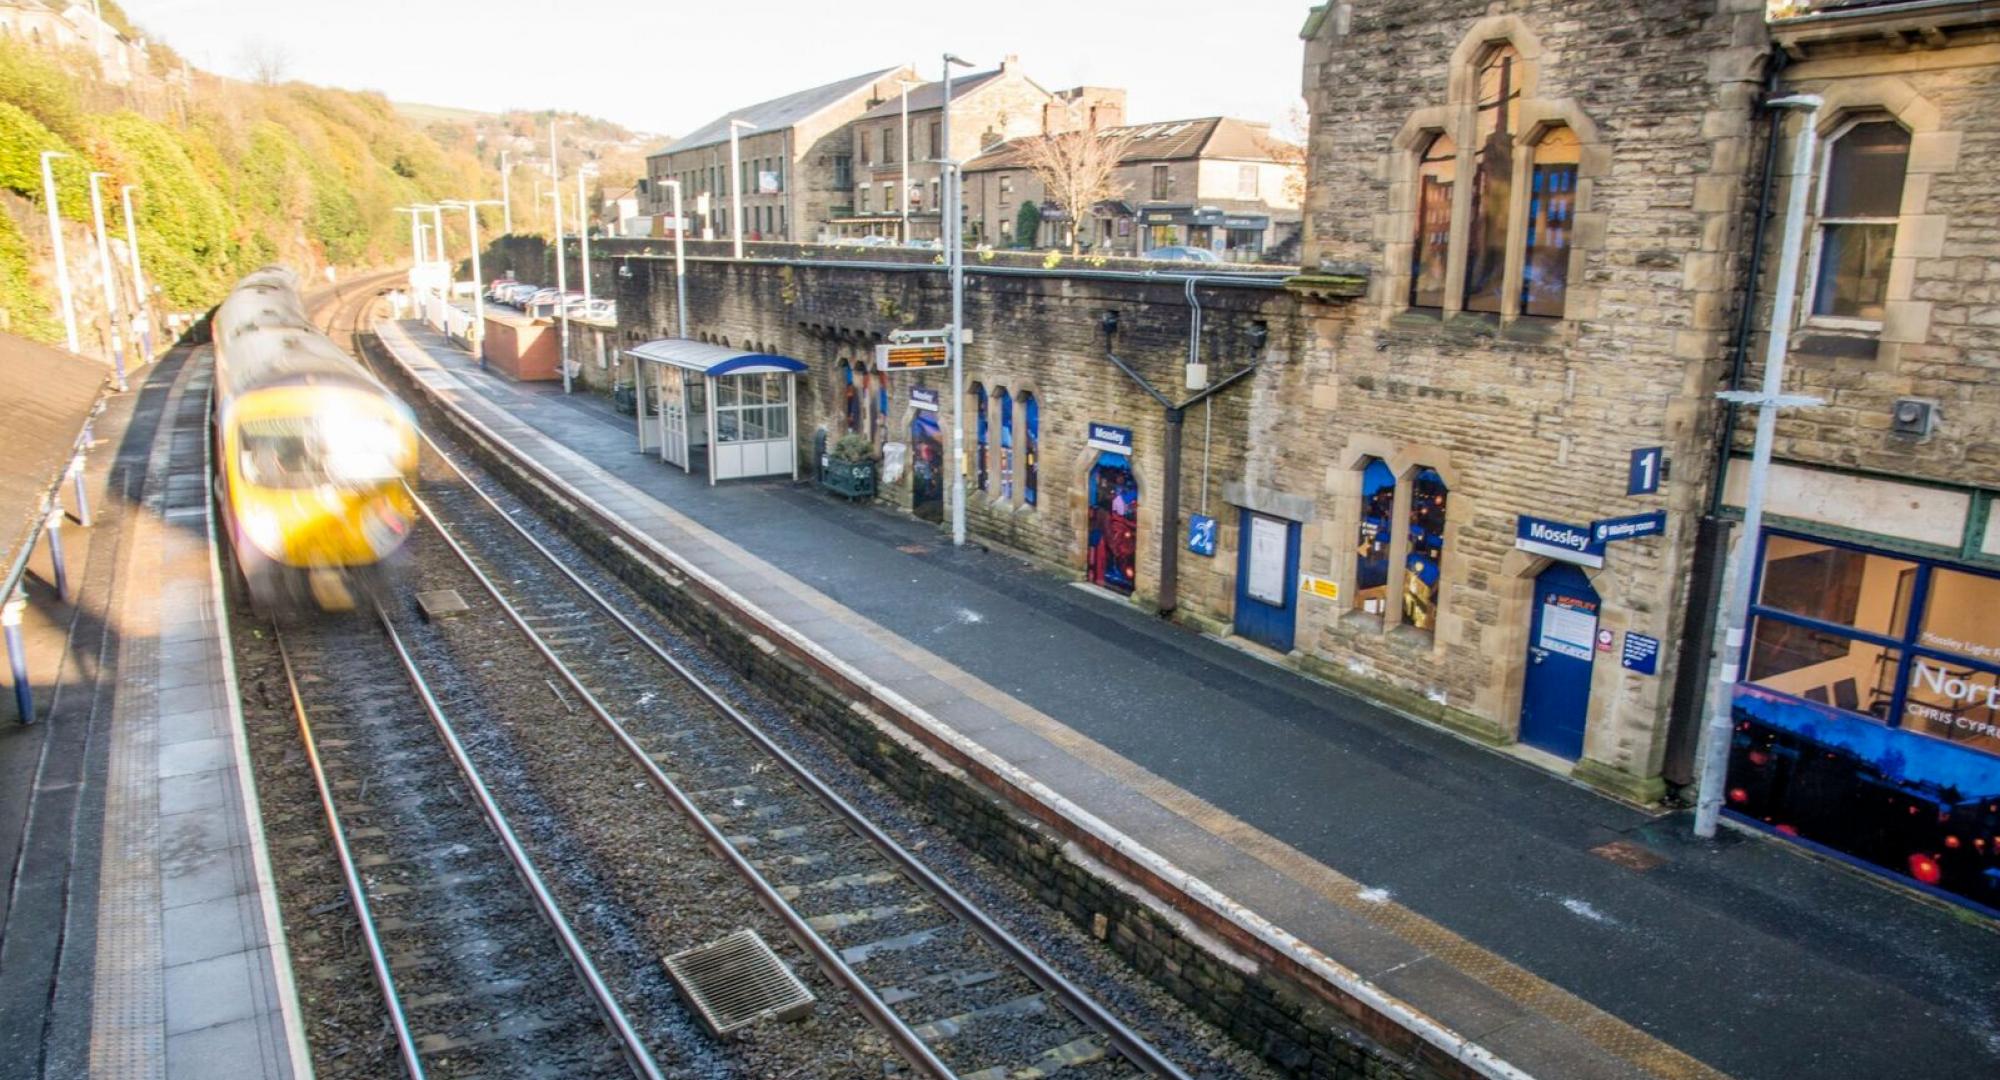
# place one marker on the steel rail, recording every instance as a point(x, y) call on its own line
point(906, 1040)
point(378, 958)
point(1133, 1047)
point(636, 1053)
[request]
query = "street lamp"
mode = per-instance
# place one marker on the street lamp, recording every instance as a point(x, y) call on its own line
point(110, 286)
point(954, 253)
point(1715, 738)
point(56, 241)
point(506, 199)
point(562, 276)
point(680, 262)
point(142, 308)
point(736, 182)
point(905, 84)
point(583, 226)
point(477, 336)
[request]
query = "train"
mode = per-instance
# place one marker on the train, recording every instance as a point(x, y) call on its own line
point(312, 456)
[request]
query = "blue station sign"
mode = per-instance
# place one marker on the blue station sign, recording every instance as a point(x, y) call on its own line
point(1628, 528)
point(922, 398)
point(1117, 440)
point(1558, 540)
point(1641, 653)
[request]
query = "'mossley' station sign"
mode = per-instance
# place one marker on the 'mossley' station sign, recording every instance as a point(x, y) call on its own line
point(1559, 541)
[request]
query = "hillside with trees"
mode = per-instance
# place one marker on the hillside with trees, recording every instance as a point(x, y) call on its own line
point(231, 175)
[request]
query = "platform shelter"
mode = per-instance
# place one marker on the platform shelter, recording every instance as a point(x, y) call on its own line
point(735, 409)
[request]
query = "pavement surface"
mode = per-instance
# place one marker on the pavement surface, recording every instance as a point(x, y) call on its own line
point(1574, 935)
point(139, 923)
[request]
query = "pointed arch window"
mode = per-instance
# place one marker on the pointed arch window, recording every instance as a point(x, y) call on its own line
point(1496, 119)
point(979, 443)
point(1551, 211)
point(1423, 566)
point(1436, 170)
point(1031, 431)
point(1005, 402)
point(1371, 552)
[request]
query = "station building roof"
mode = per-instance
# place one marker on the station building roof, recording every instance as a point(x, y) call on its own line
point(776, 114)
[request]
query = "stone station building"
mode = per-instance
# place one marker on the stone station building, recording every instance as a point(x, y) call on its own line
point(1468, 461)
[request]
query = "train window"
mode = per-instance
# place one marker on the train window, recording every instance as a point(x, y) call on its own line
point(301, 454)
point(275, 455)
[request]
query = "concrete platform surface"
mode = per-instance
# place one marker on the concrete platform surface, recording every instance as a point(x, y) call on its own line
point(1494, 896)
point(141, 936)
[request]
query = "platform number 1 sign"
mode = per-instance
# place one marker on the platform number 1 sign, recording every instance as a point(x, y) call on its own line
point(1647, 465)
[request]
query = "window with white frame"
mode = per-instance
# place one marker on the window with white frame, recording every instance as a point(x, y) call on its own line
point(1861, 195)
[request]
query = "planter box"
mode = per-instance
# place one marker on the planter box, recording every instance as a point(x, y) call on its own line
point(854, 479)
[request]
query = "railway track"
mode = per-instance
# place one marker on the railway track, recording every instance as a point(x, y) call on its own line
point(954, 991)
point(479, 976)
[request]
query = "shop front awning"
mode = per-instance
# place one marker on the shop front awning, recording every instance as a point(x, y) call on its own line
point(713, 360)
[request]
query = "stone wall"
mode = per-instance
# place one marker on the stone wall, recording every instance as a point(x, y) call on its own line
point(1528, 415)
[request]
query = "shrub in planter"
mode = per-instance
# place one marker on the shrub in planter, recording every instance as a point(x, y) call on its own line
point(850, 467)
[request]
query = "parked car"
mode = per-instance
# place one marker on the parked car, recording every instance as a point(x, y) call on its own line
point(874, 241)
point(597, 310)
point(498, 285)
point(1184, 254)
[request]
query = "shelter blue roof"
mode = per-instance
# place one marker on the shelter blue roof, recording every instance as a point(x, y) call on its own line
point(713, 360)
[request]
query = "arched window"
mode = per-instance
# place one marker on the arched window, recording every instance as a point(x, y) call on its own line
point(979, 444)
point(1436, 170)
point(1497, 116)
point(1860, 199)
point(1421, 568)
point(1031, 431)
point(1551, 209)
point(850, 398)
point(1006, 403)
point(1371, 553)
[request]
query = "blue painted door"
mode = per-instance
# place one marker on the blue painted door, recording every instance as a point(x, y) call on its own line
point(1555, 695)
point(1267, 580)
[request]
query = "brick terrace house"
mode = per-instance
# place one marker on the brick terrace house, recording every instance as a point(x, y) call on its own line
point(987, 107)
point(1213, 182)
point(796, 166)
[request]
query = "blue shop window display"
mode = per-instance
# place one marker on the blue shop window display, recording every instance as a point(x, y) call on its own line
point(1868, 722)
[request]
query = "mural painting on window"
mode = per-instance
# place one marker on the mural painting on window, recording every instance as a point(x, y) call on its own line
point(1860, 200)
point(1031, 431)
point(1421, 568)
point(1005, 403)
point(881, 408)
point(1427, 264)
point(979, 443)
point(1551, 209)
point(1497, 117)
point(850, 398)
point(1371, 553)
point(1869, 721)
point(1112, 558)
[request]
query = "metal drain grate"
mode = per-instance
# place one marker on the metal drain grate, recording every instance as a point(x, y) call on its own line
point(736, 981)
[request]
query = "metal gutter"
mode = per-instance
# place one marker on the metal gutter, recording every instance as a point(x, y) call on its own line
point(1815, 18)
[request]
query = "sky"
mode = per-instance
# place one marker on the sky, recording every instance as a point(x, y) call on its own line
point(667, 66)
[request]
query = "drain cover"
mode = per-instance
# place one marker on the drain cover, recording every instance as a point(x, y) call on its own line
point(736, 981)
point(441, 604)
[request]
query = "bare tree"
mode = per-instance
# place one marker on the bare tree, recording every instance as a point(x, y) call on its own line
point(1078, 170)
point(266, 62)
point(1286, 145)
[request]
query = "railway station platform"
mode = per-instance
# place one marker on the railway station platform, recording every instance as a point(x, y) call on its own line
point(1565, 934)
point(141, 935)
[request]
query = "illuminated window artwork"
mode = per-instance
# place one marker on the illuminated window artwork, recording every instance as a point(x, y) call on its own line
point(1031, 431)
point(1371, 558)
point(1005, 401)
point(980, 443)
point(1422, 567)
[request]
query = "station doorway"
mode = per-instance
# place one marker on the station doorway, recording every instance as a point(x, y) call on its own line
point(1113, 557)
point(1267, 580)
point(1562, 637)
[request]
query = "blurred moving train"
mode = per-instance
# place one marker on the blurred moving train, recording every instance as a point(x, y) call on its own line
point(311, 454)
